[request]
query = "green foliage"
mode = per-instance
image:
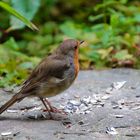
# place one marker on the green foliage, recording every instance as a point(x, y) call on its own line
point(13, 63)
point(18, 16)
point(110, 29)
point(111, 36)
point(25, 7)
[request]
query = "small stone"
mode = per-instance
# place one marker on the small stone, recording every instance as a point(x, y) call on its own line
point(133, 87)
point(137, 96)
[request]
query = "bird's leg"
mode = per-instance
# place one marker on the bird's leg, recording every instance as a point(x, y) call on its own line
point(47, 109)
point(54, 109)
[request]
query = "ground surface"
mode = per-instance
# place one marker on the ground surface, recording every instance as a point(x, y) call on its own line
point(117, 109)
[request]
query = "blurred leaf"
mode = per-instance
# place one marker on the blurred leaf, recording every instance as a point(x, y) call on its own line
point(12, 11)
point(105, 52)
point(114, 20)
point(4, 57)
point(49, 28)
point(11, 43)
point(94, 56)
point(70, 29)
point(123, 1)
point(26, 65)
point(27, 8)
point(123, 55)
point(106, 35)
point(94, 18)
point(105, 4)
point(137, 17)
point(51, 2)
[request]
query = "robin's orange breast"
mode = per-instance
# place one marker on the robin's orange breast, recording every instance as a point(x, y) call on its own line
point(76, 62)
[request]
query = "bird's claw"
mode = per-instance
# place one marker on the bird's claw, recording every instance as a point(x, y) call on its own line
point(55, 110)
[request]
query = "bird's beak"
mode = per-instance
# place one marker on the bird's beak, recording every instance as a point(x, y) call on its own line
point(80, 42)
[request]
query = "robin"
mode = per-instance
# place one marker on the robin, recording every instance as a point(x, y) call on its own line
point(52, 75)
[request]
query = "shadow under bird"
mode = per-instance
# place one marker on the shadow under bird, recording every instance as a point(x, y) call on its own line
point(52, 75)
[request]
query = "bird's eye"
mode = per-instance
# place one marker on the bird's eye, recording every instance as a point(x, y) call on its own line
point(75, 47)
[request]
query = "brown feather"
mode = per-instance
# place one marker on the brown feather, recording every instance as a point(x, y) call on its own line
point(14, 99)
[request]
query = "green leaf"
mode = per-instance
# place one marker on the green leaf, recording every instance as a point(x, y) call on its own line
point(105, 4)
point(94, 55)
point(12, 11)
point(137, 17)
point(94, 18)
point(4, 57)
point(106, 35)
point(123, 55)
point(50, 2)
point(98, 27)
point(26, 65)
point(123, 1)
point(114, 20)
point(27, 8)
point(11, 43)
point(71, 29)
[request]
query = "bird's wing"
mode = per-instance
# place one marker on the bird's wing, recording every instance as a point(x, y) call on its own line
point(44, 72)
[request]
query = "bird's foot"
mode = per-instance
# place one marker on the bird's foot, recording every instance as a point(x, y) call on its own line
point(55, 110)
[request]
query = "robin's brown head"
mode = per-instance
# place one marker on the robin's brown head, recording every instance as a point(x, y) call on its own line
point(69, 46)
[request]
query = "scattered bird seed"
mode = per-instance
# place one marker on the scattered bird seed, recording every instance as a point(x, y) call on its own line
point(17, 133)
point(9, 134)
point(111, 131)
point(136, 108)
point(115, 106)
point(67, 124)
point(35, 108)
point(105, 97)
point(87, 111)
point(119, 116)
point(75, 102)
point(85, 104)
point(6, 133)
point(93, 101)
point(109, 90)
point(115, 86)
point(12, 110)
point(118, 85)
point(80, 122)
point(86, 100)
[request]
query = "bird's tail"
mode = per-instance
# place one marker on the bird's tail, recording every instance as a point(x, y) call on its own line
point(14, 99)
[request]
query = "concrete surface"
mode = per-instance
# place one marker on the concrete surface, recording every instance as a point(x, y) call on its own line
point(121, 110)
